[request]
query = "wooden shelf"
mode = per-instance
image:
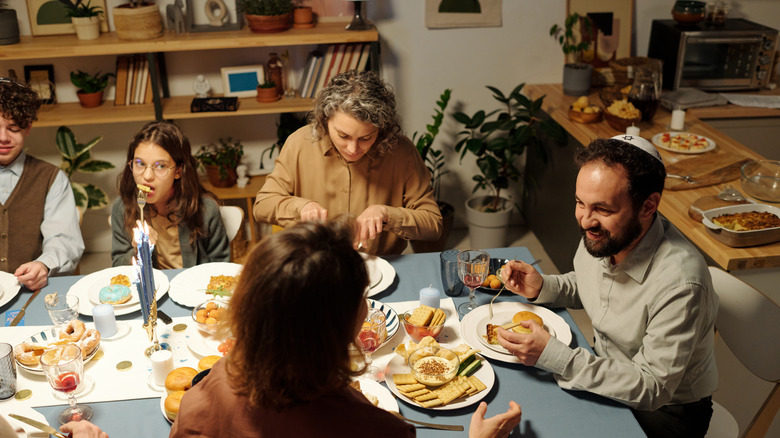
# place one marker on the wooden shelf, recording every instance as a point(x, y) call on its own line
point(72, 113)
point(179, 108)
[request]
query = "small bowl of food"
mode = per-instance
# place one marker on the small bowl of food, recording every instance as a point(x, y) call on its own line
point(688, 12)
point(210, 316)
point(761, 180)
point(418, 327)
point(433, 366)
point(621, 114)
point(581, 111)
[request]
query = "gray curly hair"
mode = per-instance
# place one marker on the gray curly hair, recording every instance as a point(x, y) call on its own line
point(364, 96)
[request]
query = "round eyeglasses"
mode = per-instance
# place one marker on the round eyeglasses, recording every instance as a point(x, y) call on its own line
point(161, 170)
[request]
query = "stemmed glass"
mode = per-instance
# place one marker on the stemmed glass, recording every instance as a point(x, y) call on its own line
point(473, 267)
point(64, 375)
point(371, 336)
point(62, 309)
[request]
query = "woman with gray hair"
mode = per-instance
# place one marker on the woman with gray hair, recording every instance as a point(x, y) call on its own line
point(352, 158)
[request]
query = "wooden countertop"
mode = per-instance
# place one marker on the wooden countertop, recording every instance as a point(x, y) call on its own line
point(674, 204)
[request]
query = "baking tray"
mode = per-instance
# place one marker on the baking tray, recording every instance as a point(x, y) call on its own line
point(739, 239)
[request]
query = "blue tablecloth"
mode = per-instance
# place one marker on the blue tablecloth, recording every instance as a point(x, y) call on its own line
point(548, 411)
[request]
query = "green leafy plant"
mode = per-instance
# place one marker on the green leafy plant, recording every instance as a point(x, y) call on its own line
point(76, 157)
point(288, 123)
point(226, 155)
point(434, 158)
point(88, 83)
point(498, 138)
point(267, 84)
point(572, 49)
point(266, 7)
point(81, 9)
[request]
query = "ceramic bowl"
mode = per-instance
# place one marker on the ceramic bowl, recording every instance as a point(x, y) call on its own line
point(688, 12)
point(434, 366)
point(619, 123)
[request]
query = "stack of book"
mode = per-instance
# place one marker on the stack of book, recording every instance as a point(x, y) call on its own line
point(337, 58)
point(133, 81)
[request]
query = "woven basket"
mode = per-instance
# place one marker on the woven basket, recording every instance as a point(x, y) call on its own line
point(621, 66)
point(140, 23)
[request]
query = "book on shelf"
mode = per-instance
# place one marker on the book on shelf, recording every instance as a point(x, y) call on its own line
point(353, 61)
point(308, 72)
point(338, 54)
point(140, 79)
point(348, 51)
point(121, 79)
point(148, 94)
point(327, 62)
point(130, 80)
point(315, 77)
point(364, 55)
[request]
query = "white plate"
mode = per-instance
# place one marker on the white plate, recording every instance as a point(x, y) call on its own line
point(385, 397)
point(202, 343)
point(380, 274)
point(44, 338)
point(391, 319)
point(501, 318)
point(162, 407)
point(85, 285)
point(188, 288)
point(473, 326)
point(657, 141)
point(9, 287)
point(485, 373)
point(94, 294)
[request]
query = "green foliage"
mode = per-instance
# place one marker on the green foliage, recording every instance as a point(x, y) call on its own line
point(288, 123)
point(434, 158)
point(498, 141)
point(90, 83)
point(267, 84)
point(565, 36)
point(266, 7)
point(76, 157)
point(81, 9)
point(227, 154)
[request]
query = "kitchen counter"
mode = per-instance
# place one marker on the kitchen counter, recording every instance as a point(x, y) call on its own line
point(674, 204)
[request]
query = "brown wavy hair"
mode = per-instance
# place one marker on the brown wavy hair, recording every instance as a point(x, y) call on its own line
point(185, 204)
point(294, 314)
point(18, 102)
point(364, 96)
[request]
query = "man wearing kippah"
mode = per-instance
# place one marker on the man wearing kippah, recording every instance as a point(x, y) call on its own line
point(646, 289)
point(39, 223)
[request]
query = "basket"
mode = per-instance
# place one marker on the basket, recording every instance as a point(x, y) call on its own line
point(620, 68)
point(141, 23)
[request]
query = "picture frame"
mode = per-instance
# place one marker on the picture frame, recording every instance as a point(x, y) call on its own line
point(41, 79)
point(197, 20)
point(443, 14)
point(242, 81)
point(48, 17)
point(618, 43)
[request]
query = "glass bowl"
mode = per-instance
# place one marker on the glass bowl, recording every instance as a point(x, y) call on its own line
point(761, 180)
point(434, 366)
point(687, 12)
point(418, 332)
point(210, 316)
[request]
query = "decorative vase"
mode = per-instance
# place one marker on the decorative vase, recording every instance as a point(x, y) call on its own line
point(139, 23)
point(448, 221)
point(303, 17)
point(9, 27)
point(217, 179)
point(90, 100)
point(576, 79)
point(265, 95)
point(87, 28)
point(488, 229)
point(269, 23)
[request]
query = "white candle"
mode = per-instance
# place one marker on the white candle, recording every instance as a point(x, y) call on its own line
point(429, 296)
point(632, 130)
point(678, 120)
point(105, 321)
point(162, 364)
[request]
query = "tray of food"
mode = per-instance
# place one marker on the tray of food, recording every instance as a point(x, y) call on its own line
point(743, 225)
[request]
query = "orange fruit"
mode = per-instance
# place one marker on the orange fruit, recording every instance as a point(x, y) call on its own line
point(495, 283)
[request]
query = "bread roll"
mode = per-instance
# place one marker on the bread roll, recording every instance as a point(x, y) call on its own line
point(525, 316)
point(172, 404)
point(180, 379)
point(207, 362)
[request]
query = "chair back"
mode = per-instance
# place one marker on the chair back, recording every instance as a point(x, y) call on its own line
point(232, 217)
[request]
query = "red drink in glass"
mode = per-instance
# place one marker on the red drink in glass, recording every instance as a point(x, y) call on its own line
point(369, 340)
point(66, 382)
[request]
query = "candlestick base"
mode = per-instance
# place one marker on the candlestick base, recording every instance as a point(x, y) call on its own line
point(155, 347)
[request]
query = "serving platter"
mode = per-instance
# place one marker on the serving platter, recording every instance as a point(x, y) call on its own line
point(689, 143)
point(44, 338)
point(85, 286)
point(741, 239)
point(188, 288)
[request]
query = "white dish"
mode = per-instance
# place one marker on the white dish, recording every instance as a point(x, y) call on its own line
point(380, 272)
point(204, 344)
point(485, 374)
point(9, 287)
point(85, 285)
point(739, 239)
point(473, 325)
point(657, 140)
point(385, 397)
point(188, 288)
point(44, 338)
point(94, 294)
point(500, 318)
point(391, 319)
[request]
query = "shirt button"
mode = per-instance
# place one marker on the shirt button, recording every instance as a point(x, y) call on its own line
point(3, 259)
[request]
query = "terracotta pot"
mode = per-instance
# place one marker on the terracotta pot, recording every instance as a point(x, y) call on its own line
point(303, 17)
point(87, 28)
point(269, 23)
point(90, 100)
point(218, 180)
point(265, 95)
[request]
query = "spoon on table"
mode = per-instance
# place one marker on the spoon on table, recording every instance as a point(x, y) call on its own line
point(730, 194)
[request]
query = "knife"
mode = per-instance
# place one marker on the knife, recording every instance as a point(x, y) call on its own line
point(20, 315)
point(44, 427)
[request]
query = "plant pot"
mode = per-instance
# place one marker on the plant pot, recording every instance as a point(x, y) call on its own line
point(140, 23)
point(487, 229)
point(217, 179)
point(265, 95)
point(269, 23)
point(87, 28)
point(9, 27)
point(303, 17)
point(448, 220)
point(576, 79)
point(90, 100)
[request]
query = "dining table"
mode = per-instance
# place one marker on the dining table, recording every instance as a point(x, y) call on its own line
point(548, 410)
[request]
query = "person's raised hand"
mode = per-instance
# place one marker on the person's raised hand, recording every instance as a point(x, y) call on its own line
point(33, 275)
point(522, 279)
point(525, 346)
point(371, 222)
point(313, 211)
point(498, 426)
point(82, 429)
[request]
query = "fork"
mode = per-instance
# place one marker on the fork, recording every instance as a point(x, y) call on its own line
point(503, 286)
point(688, 178)
point(141, 200)
point(431, 425)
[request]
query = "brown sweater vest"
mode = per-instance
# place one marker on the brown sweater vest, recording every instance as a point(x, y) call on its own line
point(20, 222)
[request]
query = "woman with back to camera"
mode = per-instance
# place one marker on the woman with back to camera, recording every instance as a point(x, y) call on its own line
point(298, 306)
point(352, 158)
point(184, 220)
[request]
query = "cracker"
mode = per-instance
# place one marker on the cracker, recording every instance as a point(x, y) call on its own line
point(404, 379)
point(410, 388)
point(438, 317)
point(421, 315)
point(477, 383)
point(426, 397)
point(417, 393)
point(430, 403)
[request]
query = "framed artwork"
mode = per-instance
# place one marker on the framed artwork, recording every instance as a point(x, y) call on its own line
point(611, 28)
point(211, 16)
point(41, 79)
point(49, 17)
point(441, 14)
point(242, 81)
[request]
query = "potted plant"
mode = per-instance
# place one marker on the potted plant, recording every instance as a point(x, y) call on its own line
point(90, 87)
point(434, 161)
point(220, 161)
point(267, 16)
point(576, 74)
point(497, 139)
point(137, 20)
point(76, 157)
point(303, 17)
point(9, 27)
point(267, 92)
point(85, 18)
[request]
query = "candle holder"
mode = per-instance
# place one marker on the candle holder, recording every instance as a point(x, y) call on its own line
point(358, 22)
point(151, 331)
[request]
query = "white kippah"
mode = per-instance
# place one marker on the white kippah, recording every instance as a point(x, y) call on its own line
point(639, 142)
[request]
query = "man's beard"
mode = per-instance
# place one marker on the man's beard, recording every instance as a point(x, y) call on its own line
point(611, 245)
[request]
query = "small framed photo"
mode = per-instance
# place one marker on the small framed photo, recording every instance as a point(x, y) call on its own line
point(49, 17)
point(40, 78)
point(242, 81)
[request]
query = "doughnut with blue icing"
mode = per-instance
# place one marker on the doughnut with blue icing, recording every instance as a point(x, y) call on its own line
point(115, 294)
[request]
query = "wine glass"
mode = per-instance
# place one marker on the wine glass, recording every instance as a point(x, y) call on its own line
point(62, 309)
point(473, 266)
point(371, 336)
point(64, 369)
